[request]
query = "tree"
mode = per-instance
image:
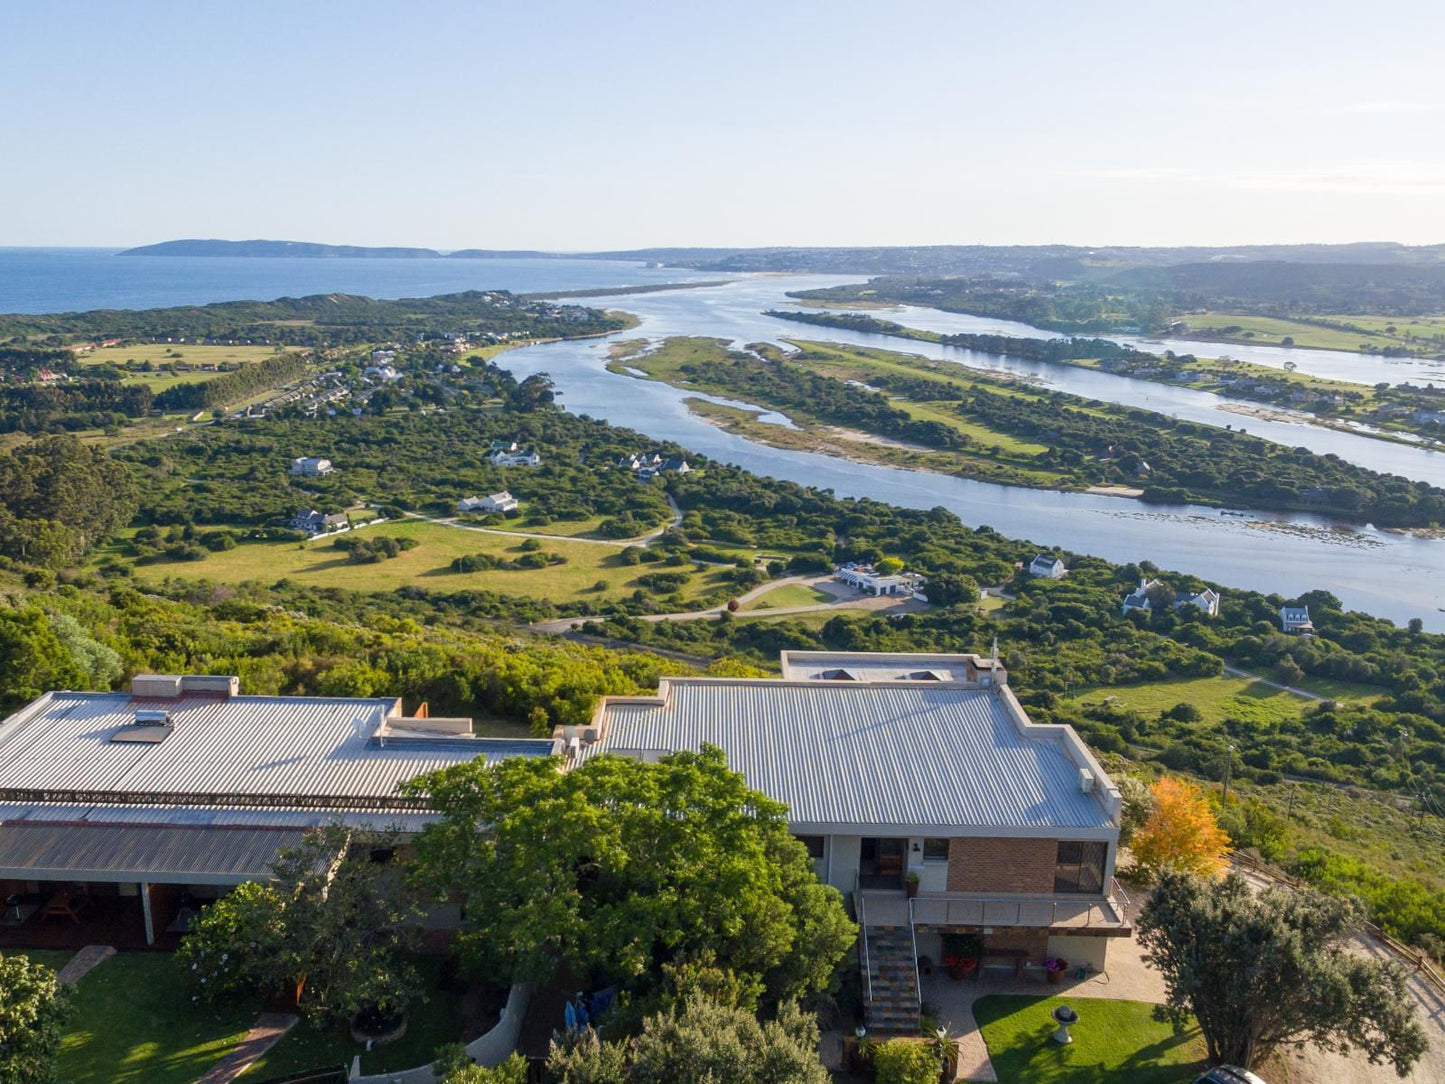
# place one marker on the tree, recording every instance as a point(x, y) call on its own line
point(325, 930)
point(889, 566)
point(1182, 832)
point(1262, 972)
point(700, 1041)
point(1136, 809)
point(33, 1009)
point(618, 868)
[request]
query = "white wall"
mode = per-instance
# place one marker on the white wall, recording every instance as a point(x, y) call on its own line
point(1081, 950)
point(841, 859)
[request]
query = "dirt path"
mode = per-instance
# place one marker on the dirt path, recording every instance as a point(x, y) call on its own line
point(1235, 671)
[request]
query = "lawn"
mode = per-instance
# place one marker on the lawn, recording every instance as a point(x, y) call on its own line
point(429, 566)
point(183, 353)
point(1217, 698)
point(135, 1021)
point(790, 594)
point(1115, 1042)
point(1269, 331)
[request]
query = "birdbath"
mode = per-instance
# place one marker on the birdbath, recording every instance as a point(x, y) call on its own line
point(1065, 1017)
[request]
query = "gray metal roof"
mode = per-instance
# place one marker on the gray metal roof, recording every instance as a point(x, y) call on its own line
point(867, 754)
point(137, 853)
point(247, 746)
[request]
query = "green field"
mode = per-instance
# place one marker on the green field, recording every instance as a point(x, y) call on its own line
point(790, 594)
point(1115, 1042)
point(189, 354)
point(1220, 698)
point(1271, 330)
point(429, 566)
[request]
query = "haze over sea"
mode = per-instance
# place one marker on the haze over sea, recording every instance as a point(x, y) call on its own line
point(76, 279)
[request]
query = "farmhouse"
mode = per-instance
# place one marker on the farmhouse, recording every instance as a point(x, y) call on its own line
point(496, 502)
point(1296, 619)
point(314, 522)
point(1046, 564)
point(121, 813)
point(896, 766)
point(311, 466)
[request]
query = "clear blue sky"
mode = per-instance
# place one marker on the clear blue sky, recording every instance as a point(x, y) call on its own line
point(598, 125)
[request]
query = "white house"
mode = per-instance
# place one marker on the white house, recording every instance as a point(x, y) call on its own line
point(869, 580)
point(1138, 599)
point(1296, 619)
point(1207, 600)
point(501, 458)
point(1046, 564)
point(896, 766)
point(314, 522)
point(381, 372)
point(311, 466)
point(496, 502)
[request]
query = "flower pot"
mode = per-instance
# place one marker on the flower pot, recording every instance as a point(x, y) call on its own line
point(956, 972)
point(1056, 978)
point(911, 887)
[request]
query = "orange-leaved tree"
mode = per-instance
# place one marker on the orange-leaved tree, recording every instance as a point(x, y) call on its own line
point(1182, 832)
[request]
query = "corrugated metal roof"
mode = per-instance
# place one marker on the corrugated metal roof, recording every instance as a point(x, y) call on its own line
point(885, 754)
point(190, 816)
point(35, 850)
point(242, 745)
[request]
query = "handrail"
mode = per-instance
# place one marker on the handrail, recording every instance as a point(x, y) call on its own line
point(913, 939)
point(863, 934)
point(1019, 902)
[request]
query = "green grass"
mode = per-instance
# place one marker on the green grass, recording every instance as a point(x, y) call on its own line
point(182, 353)
point(1216, 698)
point(428, 1026)
point(1115, 1042)
point(135, 1021)
point(428, 565)
point(1270, 330)
point(790, 594)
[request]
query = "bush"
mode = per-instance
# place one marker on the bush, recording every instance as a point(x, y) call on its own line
point(905, 1061)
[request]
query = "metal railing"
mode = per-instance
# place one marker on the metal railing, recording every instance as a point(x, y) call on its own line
point(913, 940)
point(993, 910)
point(863, 936)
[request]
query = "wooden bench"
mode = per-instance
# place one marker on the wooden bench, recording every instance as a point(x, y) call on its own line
point(1011, 958)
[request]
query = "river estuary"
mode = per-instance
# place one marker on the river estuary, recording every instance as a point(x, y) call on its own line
point(1399, 576)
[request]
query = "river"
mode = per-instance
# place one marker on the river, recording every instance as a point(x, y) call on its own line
point(1397, 576)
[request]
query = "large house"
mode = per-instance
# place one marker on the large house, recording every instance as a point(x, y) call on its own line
point(1046, 564)
point(870, 581)
point(128, 810)
point(901, 765)
point(495, 502)
point(525, 458)
point(1296, 619)
point(1138, 599)
point(314, 522)
point(310, 466)
point(1206, 600)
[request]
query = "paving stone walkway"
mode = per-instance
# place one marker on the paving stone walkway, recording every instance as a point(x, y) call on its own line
point(265, 1033)
point(83, 962)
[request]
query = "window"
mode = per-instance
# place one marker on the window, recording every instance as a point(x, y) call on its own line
point(814, 845)
point(1080, 866)
point(935, 850)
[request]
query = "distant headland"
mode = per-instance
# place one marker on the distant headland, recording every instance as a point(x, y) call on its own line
point(196, 247)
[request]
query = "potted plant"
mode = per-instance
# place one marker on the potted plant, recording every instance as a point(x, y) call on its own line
point(910, 883)
point(961, 953)
point(1054, 968)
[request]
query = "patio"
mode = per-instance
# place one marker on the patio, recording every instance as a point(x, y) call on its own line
point(99, 920)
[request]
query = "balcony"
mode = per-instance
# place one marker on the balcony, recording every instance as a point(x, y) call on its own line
point(1066, 913)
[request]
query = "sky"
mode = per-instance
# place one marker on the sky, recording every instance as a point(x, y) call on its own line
point(575, 126)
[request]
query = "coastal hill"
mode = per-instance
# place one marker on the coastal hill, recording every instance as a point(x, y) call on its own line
point(195, 247)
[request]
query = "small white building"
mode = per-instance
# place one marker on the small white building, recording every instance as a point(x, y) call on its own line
point(311, 466)
point(381, 372)
point(1046, 564)
point(495, 502)
point(1207, 600)
point(1296, 619)
point(515, 459)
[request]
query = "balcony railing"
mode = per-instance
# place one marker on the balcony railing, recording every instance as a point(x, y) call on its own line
point(1064, 911)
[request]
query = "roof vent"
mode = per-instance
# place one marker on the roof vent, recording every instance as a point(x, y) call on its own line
point(839, 675)
point(1086, 781)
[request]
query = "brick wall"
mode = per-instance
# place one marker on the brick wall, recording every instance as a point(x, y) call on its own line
point(1034, 942)
point(1002, 865)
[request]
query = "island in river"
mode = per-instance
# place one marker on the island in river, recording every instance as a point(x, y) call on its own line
point(900, 410)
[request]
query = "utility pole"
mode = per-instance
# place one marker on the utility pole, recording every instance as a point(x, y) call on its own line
point(1228, 763)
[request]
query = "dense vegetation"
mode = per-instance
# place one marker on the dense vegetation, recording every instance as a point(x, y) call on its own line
point(321, 320)
point(58, 498)
point(244, 382)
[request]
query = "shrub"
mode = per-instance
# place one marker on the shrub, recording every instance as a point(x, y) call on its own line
point(905, 1061)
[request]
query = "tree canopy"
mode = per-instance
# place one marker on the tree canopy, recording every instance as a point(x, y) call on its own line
point(1262, 972)
point(33, 1008)
point(618, 868)
point(1181, 832)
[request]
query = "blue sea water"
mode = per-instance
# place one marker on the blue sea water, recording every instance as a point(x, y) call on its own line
point(75, 279)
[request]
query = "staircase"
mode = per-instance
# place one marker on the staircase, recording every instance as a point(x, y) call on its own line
point(893, 1006)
